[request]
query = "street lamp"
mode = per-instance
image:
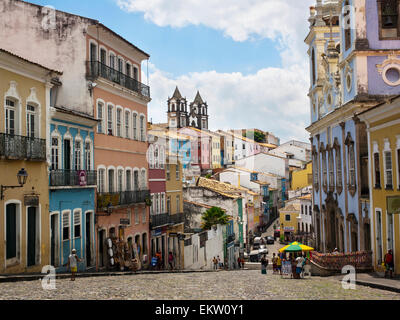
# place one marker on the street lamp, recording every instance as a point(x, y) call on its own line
point(22, 176)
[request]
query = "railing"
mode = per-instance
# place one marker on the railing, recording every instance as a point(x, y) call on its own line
point(361, 260)
point(121, 198)
point(157, 220)
point(97, 69)
point(176, 218)
point(72, 178)
point(15, 147)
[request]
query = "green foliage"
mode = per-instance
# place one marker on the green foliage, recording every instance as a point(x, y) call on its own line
point(214, 216)
point(208, 176)
point(258, 136)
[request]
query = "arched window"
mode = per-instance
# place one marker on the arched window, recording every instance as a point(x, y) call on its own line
point(389, 14)
point(313, 65)
point(55, 152)
point(156, 158)
point(11, 113)
point(100, 117)
point(119, 122)
point(142, 129)
point(88, 154)
point(78, 154)
point(134, 126)
point(127, 119)
point(151, 156)
point(143, 179)
point(110, 119)
point(32, 120)
point(347, 26)
point(101, 180)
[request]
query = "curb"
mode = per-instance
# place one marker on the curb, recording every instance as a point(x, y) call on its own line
point(378, 286)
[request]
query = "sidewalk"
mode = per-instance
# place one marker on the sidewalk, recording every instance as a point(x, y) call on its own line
point(376, 280)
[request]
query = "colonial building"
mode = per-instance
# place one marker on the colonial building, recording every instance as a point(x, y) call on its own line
point(73, 183)
point(24, 150)
point(353, 67)
point(383, 125)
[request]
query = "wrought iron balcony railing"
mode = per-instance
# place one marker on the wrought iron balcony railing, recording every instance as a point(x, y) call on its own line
point(176, 218)
point(97, 69)
point(231, 237)
point(114, 199)
point(72, 178)
point(15, 147)
point(158, 220)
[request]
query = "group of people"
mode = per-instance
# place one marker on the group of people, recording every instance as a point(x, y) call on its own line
point(158, 261)
point(297, 264)
point(217, 263)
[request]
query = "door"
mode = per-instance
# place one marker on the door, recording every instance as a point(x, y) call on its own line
point(31, 237)
point(11, 231)
point(88, 240)
point(54, 238)
point(67, 162)
point(101, 248)
point(379, 237)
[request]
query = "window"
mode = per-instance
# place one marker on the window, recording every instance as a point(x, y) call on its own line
point(101, 180)
point(331, 171)
point(10, 117)
point(162, 203)
point(169, 205)
point(137, 219)
point(178, 176)
point(93, 52)
point(142, 129)
point(156, 157)
point(162, 155)
point(135, 74)
point(377, 169)
point(110, 120)
point(136, 180)
point(120, 175)
point(127, 117)
point(347, 30)
point(168, 172)
point(144, 215)
point(78, 155)
point(111, 180)
point(287, 217)
point(339, 181)
point(55, 149)
point(324, 170)
point(157, 202)
point(388, 170)
point(77, 224)
point(66, 225)
point(143, 179)
point(31, 123)
point(352, 166)
point(120, 65)
point(88, 155)
point(128, 70)
point(128, 180)
point(112, 61)
point(134, 126)
point(178, 204)
point(389, 14)
point(100, 117)
point(119, 116)
point(316, 169)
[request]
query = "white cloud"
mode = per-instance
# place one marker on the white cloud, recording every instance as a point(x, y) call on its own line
point(240, 101)
point(272, 99)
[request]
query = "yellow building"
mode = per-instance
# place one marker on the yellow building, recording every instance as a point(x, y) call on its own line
point(174, 174)
point(383, 127)
point(302, 178)
point(24, 210)
point(288, 220)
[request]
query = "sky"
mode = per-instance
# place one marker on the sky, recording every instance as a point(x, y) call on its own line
point(246, 57)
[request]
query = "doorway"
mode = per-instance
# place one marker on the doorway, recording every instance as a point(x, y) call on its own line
point(33, 232)
point(88, 239)
point(101, 240)
point(67, 161)
point(54, 240)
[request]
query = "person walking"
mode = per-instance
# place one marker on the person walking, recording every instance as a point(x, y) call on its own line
point(264, 264)
point(239, 261)
point(279, 264)
point(171, 260)
point(388, 259)
point(215, 263)
point(299, 266)
point(72, 263)
point(274, 268)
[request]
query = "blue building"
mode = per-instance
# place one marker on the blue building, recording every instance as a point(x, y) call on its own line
point(354, 66)
point(72, 182)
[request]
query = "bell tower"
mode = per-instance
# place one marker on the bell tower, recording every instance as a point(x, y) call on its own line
point(198, 116)
point(177, 110)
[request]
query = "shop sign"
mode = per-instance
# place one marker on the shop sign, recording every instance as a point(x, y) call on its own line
point(157, 232)
point(288, 229)
point(31, 201)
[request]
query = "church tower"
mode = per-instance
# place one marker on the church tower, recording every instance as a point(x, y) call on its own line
point(198, 116)
point(177, 110)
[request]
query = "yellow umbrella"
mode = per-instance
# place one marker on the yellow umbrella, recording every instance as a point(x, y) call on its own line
point(296, 246)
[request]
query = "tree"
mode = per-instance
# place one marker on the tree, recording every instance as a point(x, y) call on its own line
point(214, 216)
point(258, 136)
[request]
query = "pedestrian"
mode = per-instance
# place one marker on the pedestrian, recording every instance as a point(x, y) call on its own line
point(171, 260)
point(239, 261)
point(215, 263)
point(299, 266)
point(242, 261)
point(72, 263)
point(274, 269)
point(264, 264)
point(159, 260)
point(279, 264)
point(388, 259)
point(219, 262)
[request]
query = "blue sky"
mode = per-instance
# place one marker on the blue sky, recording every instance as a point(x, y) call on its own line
point(247, 57)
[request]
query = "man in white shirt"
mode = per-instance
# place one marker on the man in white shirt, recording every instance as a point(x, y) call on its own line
point(299, 267)
point(73, 260)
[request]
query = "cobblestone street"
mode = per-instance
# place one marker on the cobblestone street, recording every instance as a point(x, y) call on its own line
point(221, 285)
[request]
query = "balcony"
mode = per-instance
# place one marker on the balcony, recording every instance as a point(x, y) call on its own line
point(72, 178)
point(230, 238)
point(97, 69)
point(176, 218)
point(13, 147)
point(124, 198)
point(158, 220)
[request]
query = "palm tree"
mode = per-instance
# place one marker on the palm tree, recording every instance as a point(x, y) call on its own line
point(214, 216)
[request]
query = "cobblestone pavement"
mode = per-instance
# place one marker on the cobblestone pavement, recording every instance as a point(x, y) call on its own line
point(221, 285)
